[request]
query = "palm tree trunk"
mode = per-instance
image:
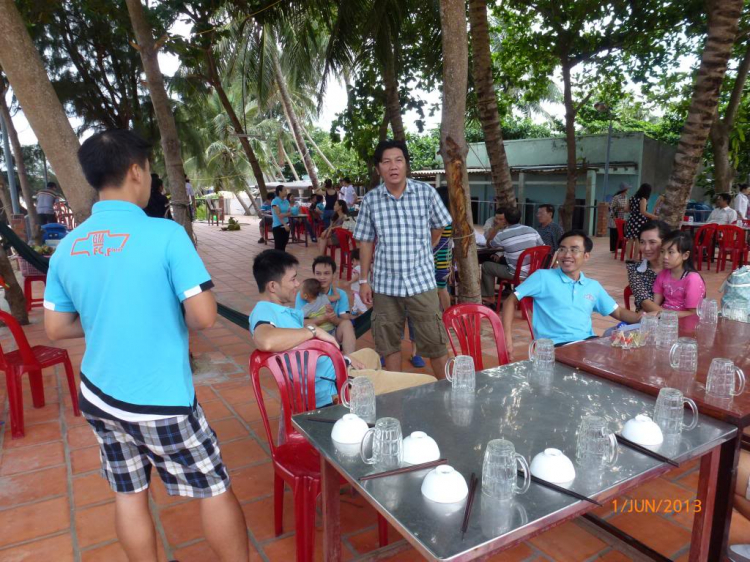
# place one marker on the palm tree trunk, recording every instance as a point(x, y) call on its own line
point(13, 292)
point(5, 199)
point(487, 104)
point(382, 135)
point(28, 77)
point(317, 149)
point(288, 160)
point(245, 208)
point(36, 232)
point(393, 103)
point(723, 18)
point(286, 101)
point(721, 129)
point(566, 212)
point(453, 146)
point(277, 173)
point(170, 141)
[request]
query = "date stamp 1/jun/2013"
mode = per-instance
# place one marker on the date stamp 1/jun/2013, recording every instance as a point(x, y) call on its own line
point(626, 505)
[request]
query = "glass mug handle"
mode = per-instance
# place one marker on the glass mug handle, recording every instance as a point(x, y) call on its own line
point(448, 372)
point(370, 433)
point(613, 448)
point(347, 385)
point(741, 377)
point(532, 348)
point(526, 475)
point(672, 352)
point(694, 408)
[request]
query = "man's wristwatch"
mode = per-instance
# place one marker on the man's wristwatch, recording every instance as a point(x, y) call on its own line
point(364, 282)
point(312, 329)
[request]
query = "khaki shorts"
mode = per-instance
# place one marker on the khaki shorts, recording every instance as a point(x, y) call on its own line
point(389, 316)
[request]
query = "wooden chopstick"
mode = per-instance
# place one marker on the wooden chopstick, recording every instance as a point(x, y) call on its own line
point(473, 482)
point(330, 420)
point(551, 486)
point(641, 449)
point(403, 470)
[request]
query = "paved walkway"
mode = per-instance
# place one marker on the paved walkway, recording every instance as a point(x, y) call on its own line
point(54, 505)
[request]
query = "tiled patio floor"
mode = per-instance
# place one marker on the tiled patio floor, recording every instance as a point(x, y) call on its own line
point(55, 507)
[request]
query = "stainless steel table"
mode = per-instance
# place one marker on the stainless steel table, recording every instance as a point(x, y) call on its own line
point(532, 410)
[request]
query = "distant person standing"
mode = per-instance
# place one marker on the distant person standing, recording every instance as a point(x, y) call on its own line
point(158, 204)
point(618, 207)
point(348, 193)
point(639, 215)
point(191, 198)
point(281, 210)
point(331, 195)
point(741, 200)
point(45, 203)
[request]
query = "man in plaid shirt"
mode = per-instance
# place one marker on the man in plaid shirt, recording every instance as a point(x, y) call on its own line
point(406, 217)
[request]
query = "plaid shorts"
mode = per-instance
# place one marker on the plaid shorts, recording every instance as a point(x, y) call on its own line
point(183, 449)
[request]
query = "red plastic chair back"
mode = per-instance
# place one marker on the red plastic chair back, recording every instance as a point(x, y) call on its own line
point(346, 244)
point(626, 296)
point(24, 348)
point(620, 226)
point(464, 320)
point(731, 237)
point(294, 373)
point(304, 210)
point(704, 236)
point(535, 257)
point(527, 311)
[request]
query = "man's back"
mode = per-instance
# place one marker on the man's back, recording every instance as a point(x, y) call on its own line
point(513, 241)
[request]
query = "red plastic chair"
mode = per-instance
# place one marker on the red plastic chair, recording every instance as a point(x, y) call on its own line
point(295, 461)
point(31, 360)
point(28, 291)
point(465, 321)
point(535, 257)
point(527, 312)
point(346, 245)
point(704, 242)
point(317, 226)
point(732, 242)
point(622, 242)
point(626, 296)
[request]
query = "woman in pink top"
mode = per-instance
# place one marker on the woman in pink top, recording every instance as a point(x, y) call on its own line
point(678, 286)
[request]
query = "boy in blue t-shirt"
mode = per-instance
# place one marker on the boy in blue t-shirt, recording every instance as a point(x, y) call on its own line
point(132, 286)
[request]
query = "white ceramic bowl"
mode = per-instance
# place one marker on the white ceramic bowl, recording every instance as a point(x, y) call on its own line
point(643, 430)
point(553, 466)
point(420, 447)
point(349, 430)
point(444, 484)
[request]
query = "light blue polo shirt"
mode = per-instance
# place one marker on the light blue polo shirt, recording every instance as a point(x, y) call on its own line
point(340, 307)
point(126, 275)
point(563, 307)
point(280, 316)
point(283, 205)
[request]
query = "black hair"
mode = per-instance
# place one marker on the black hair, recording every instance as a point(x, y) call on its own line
point(324, 260)
point(443, 193)
point(343, 206)
point(500, 210)
point(725, 196)
point(550, 208)
point(269, 195)
point(644, 192)
point(106, 157)
point(663, 228)
point(328, 183)
point(743, 186)
point(512, 215)
point(156, 183)
point(271, 265)
point(388, 144)
point(51, 184)
point(319, 198)
point(279, 188)
point(347, 180)
point(683, 242)
point(355, 254)
point(311, 286)
point(588, 245)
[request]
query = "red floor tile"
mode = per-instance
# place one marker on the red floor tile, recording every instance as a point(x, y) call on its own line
point(53, 549)
point(227, 429)
point(85, 460)
point(653, 530)
point(32, 486)
point(90, 489)
point(81, 436)
point(236, 454)
point(32, 458)
point(568, 543)
point(182, 523)
point(95, 524)
point(253, 482)
point(35, 520)
point(34, 434)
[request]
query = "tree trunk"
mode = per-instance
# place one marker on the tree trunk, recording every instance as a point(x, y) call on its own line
point(487, 104)
point(453, 146)
point(245, 208)
point(382, 135)
point(286, 101)
point(277, 172)
point(392, 101)
point(5, 200)
point(721, 129)
point(317, 149)
point(566, 212)
point(723, 18)
point(170, 141)
point(36, 232)
point(13, 292)
point(288, 160)
point(26, 73)
point(215, 80)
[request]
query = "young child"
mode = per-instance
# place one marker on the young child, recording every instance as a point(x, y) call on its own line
point(359, 307)
point(678, 286)
point(318, 304)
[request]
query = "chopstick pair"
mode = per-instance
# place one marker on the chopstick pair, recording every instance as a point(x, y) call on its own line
point(403, 470)
point(551, 486)
point(473, 483)
point(641, 449)
point(331, 420)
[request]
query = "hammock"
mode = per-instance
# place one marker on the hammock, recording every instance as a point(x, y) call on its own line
point(361, 323)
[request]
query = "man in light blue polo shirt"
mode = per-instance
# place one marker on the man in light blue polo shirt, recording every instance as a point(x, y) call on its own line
point(564, 298)
point(132, 286)
point(324, 268)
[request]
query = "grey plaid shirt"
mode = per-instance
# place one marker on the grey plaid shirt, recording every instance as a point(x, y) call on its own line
point(403, 254)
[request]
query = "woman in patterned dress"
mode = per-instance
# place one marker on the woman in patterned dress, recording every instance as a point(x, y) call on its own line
point(642, 274)
point(639, 216)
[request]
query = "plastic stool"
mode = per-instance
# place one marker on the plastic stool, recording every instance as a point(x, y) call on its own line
point(28, 292)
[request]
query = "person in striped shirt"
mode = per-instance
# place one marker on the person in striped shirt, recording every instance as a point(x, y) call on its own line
point(511, 242)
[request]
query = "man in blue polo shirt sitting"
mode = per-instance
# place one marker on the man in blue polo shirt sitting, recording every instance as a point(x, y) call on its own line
point(324, 268)
point(132, 286)
point(564, 298)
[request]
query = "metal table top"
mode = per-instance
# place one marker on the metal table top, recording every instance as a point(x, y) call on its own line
point(534, 411)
